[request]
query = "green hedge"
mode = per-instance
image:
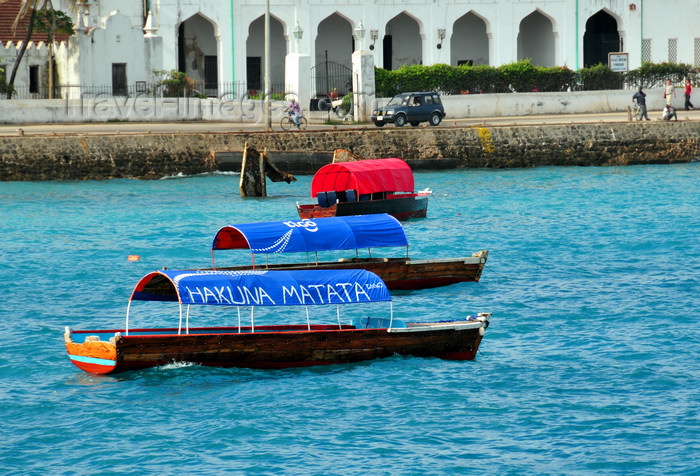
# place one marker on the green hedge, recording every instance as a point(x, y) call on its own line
point(652, 75)
point(523, 77)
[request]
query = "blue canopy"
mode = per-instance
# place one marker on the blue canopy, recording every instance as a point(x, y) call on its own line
point(262, 288)
point(320, 234)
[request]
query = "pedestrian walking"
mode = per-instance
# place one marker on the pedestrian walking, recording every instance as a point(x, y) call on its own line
point(669, 91)
point(688, 93)
point(640, 97)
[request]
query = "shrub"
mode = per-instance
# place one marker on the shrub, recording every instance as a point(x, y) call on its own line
point(651, 75)
point(520, 76)
point(346, 104)
point(174, 83)
point(599, 77)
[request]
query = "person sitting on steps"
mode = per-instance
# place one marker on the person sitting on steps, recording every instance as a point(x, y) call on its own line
point(669, 113)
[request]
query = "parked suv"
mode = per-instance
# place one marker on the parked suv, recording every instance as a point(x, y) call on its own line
point(413, 108)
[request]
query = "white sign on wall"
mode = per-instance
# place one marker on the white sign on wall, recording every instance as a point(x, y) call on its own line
point(618, 62)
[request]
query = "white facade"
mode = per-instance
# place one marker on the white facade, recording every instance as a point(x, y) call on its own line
point(221, 43)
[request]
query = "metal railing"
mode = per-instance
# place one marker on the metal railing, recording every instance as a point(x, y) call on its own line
point(200, 89)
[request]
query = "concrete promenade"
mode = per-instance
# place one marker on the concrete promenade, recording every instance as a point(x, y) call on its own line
point(316, 122)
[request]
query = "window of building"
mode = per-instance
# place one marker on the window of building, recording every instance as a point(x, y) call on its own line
point(34, 78)
point(646, 50)
point(672, 50)
point(697, 52)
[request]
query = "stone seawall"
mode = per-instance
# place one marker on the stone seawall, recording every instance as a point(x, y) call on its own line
point(151, 156)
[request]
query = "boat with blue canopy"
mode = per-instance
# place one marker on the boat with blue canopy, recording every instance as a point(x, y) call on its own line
point(248, 344)
point(355, 232)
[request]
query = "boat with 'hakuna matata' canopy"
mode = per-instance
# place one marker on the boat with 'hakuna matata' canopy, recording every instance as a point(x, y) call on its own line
point(346, 233)
point(363, 187)
point(269, 345)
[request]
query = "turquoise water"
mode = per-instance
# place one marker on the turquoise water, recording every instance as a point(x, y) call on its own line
point(590, 365)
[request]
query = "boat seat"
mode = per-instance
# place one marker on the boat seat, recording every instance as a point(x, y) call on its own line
point(365, 197)
point(332, 199)
point(350, 195)
point(323, 199)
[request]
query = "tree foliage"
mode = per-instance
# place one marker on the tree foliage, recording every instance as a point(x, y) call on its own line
point(53, 22)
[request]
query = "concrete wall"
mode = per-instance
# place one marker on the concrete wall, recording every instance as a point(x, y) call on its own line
point(151, 156)
point(525, 104)
point(149, 109)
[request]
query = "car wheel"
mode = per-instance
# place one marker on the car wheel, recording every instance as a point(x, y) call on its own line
point(435, 119)
point(400, 120)
point(378, 124)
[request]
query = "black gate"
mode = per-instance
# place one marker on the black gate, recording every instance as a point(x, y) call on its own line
point(331, 80)
point(601, 37)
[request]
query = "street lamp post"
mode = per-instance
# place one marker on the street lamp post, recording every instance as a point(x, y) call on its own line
point(298, 33)
point(266, 93)
point(359, 35)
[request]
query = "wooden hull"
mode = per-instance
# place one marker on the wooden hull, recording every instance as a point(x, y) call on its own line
point(402, 208)
point(274, 347)
point(400, 273)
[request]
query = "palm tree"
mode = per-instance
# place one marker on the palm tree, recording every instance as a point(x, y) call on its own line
point(52, 22)
point(31, 8)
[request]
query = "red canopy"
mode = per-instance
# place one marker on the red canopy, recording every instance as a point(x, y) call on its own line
point(364, 176)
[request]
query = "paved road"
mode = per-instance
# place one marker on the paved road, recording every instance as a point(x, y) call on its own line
point(317, 122)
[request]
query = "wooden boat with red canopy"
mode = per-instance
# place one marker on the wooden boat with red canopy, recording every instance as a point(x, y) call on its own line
point(266, 296)
point(335, 236)
point(363, 187)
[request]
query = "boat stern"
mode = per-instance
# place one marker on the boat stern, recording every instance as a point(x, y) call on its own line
point(93, 355)
point(308, 212)
point(461, 338)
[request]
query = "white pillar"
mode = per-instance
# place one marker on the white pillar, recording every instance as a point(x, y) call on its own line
point(363, 92)
point(297, 74)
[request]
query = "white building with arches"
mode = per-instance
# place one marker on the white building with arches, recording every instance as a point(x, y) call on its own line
point(119, 44)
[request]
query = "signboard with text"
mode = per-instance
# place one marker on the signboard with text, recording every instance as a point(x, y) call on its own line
point(618, 62)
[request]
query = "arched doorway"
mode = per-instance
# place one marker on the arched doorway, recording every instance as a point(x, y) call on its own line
point(536, 40)
point(601, 38)
point(470, 42)
point(255, 56)
point(403, 45)
point(197, 53)
point(334, 41)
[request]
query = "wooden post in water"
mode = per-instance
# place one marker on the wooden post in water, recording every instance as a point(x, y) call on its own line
point(254, 168)
point(253, 173)
point(344, 155)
